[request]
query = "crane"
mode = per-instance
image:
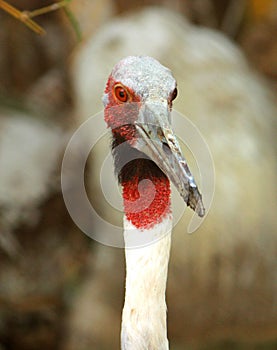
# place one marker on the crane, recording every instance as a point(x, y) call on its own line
point(138, 99)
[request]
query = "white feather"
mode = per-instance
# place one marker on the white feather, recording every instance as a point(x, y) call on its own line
point(144, 312)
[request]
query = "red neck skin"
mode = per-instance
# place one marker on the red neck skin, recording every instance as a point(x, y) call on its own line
point(146, 203)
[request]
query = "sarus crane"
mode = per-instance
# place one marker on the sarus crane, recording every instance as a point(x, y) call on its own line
point(138, 101)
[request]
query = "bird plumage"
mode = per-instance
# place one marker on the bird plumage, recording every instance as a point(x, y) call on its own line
point(144, 313)
point(138, 100)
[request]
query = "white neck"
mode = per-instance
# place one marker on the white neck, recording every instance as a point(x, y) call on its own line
point(144, 312)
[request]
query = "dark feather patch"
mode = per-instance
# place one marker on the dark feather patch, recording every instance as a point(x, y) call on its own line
point(130, 163)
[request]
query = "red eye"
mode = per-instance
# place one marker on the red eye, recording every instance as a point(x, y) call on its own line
point(121, 93)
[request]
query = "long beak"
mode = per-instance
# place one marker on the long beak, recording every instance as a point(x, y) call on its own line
point(160, 144)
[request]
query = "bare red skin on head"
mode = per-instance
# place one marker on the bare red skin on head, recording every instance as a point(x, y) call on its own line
point(119, 113)
point(144, 210)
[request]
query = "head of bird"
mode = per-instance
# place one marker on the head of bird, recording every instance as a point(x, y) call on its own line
point(138, 101)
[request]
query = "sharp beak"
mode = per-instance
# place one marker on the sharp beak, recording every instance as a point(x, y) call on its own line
point(159, 143)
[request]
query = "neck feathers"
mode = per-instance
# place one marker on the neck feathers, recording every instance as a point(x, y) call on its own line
point(146, 197)
point(144, 312)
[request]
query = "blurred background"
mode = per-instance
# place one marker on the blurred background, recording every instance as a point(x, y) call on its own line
point(58, 288)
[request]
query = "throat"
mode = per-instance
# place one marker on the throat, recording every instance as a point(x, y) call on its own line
point(146, 201)
point(145, 188)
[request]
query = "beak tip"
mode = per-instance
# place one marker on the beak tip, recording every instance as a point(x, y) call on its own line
point(200, 210)
point(194, 201)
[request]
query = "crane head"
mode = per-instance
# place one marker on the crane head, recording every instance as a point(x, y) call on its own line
point(138, 101)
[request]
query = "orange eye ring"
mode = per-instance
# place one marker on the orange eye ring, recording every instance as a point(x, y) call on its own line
point(121, 93)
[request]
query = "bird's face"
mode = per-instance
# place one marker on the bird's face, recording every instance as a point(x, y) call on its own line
point(138, 101)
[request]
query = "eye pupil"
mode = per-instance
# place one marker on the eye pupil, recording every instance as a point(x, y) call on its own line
point(174, 94)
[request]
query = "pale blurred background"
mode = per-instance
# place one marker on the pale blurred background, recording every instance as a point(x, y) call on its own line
point(61, 290)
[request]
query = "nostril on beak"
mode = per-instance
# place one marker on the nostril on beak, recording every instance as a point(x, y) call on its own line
point(166, 149)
